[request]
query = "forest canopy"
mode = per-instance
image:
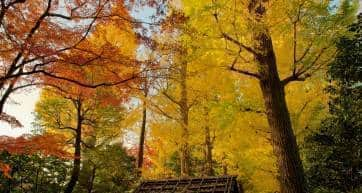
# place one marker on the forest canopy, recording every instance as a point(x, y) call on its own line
point(268, 91)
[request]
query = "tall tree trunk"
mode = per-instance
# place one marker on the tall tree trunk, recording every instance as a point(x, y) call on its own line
point(91, 180)
point(224, 164)
point(184, 108)
point(77, 152)
point(37, 178)
point(143, 131)
point(291, 175)
point(209, 170)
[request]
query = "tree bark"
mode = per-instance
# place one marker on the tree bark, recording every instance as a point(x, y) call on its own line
point(291, 174)
point(224, 164)
point(91, 180)
point(184, 108)
point(37, 178)
point(209, 170)
point(283, 139)
point(77, 151)
point(6, 95)
point(143, 132)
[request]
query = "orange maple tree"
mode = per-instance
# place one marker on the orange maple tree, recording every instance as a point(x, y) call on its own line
point(104, 68)
point(46, 145)
point(61, 46)
point(149, 152)
point(38, 35)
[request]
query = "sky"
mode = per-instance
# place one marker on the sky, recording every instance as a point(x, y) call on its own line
point(22, 105)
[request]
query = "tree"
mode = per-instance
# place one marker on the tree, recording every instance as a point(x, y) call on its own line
point(92, 106)
point(31, 48)
point(149, 65)
point(171, 55)
point(33, 173)
point(141, 146)
point(79, 118)
point(52, 117)
point(182, 99)
point(79, 111)
point(17, 152)
point(332, 158)
point(107, 168)
point(247, 30)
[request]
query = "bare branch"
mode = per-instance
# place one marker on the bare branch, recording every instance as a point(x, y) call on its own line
point(295, 78)
point(171, 98)
point(302, 74)
point(67, 128)
point(306, 51)
point(162, 112)
point(231, 39)
point(238, 43)
point(60, 16)
point(232, 68)
point(39, 21)
point(68, 79)
point(254, 75)
point(294, 47)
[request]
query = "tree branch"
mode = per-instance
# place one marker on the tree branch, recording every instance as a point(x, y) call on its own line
point(162, 112)
point(302, 74)
point(232, 68)
point(295, 77)
point(171, 98)
point(231, 39)
point(238, 43)
point(67, 128)
point(254, 75)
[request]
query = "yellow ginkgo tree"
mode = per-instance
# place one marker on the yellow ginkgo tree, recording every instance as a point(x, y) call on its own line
point(276, 43)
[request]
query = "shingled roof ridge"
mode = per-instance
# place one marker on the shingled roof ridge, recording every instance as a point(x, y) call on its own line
point(191, 178)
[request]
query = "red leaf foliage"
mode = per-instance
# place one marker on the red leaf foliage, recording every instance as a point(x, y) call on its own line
point(148, 153)
point(47, 145)
point(5, 169)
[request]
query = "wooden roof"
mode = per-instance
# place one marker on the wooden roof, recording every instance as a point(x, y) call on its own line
point(221, 184)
